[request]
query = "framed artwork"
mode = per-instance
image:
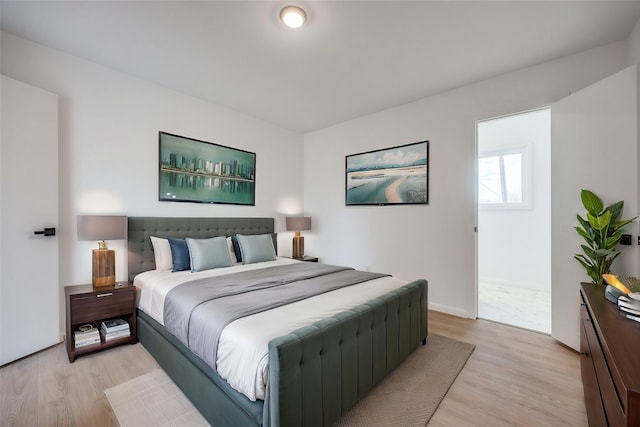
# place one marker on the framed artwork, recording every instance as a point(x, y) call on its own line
point(197, 171)
point(391, 176)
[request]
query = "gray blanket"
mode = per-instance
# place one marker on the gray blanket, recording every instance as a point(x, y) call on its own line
point(196, 312)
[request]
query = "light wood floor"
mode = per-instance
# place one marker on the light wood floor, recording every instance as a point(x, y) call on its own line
point(513, 378)
point(45, 390)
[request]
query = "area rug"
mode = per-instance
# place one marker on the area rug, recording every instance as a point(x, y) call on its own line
point(411, 393)
point(152, 400)
point(408, 396)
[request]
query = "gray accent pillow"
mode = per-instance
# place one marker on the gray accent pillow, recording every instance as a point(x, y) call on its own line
point(256, 248)
point(211, 253)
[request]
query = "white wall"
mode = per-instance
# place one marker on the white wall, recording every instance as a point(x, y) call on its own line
point(108, 135)
point(514, 244)
point(437, 241)
point(633, 45)
point(595, 130)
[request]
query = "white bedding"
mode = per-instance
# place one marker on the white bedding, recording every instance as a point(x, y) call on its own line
point(244, 344)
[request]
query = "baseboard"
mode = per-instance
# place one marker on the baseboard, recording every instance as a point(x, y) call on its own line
point(454, 311)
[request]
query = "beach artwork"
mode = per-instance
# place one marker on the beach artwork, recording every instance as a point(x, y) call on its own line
point(197, 171)
point(392, 176)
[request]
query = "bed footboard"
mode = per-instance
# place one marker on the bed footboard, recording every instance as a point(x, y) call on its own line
point(318, 372)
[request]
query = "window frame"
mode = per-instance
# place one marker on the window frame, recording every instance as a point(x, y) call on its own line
point(525, 151)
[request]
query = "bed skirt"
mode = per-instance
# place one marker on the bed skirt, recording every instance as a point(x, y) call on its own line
point(316, 373)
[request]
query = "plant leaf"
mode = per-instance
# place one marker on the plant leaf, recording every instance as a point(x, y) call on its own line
point(591, 202)
point(586, 263)
point(621, 224)
point(612, 258)
point(584, 234)
point(590, 253)
point(616, 210)
point(613, 240)
point(604, 253)
point(599, 222)
point(583, 222)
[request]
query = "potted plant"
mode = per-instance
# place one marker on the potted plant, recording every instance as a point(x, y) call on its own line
point(602, 231)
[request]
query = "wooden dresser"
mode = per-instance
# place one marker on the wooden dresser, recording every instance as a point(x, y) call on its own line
point(610, 364)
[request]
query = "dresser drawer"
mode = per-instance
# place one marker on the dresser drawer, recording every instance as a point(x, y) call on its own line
point(611, 402)
point(100, 305)
point(592, 397)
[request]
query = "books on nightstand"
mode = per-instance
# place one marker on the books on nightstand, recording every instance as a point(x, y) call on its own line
point(630, 305)
point(114, 329)
point(86, 335)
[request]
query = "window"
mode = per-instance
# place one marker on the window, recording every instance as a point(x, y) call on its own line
point(501, 179)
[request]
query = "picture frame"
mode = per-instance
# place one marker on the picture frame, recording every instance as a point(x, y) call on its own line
point(192, 170)
point(390, 176)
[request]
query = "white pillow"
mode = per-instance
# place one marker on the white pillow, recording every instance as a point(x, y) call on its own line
point(162, 253)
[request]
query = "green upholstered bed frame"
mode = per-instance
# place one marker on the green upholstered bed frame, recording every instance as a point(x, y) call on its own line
point(316, 373)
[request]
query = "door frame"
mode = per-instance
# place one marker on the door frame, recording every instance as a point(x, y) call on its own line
point(476, 292)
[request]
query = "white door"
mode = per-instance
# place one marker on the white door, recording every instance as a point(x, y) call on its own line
point(29, 284)
point(594, 146)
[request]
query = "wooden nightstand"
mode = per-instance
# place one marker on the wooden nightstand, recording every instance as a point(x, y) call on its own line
point(88, 305)
point(307, 258)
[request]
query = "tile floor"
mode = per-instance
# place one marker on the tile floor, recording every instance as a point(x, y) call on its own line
point(516, 306)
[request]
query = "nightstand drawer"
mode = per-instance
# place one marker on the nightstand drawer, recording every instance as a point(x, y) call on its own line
point(100, 305)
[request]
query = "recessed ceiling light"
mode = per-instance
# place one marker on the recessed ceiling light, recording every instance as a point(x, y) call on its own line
point(293, 16)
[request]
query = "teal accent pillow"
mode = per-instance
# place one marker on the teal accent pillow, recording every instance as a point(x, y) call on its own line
point(209, 253)
point(256, 248)
point(179, 254)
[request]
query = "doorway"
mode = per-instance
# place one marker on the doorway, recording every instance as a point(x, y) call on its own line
point(514, 220)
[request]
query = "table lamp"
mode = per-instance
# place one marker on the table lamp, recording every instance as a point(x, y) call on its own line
point(297, 223)
point(100, 228)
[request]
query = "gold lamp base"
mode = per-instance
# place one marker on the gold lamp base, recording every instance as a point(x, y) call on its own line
point(298, 246)
point(104, 267)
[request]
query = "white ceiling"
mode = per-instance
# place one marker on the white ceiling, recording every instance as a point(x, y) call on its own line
point(351, 58)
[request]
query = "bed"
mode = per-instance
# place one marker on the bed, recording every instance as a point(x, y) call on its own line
point(315, 372)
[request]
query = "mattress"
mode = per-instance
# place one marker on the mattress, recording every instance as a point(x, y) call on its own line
point(242, 358)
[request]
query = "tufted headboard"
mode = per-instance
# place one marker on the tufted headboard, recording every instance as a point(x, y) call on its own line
point(141, 228)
